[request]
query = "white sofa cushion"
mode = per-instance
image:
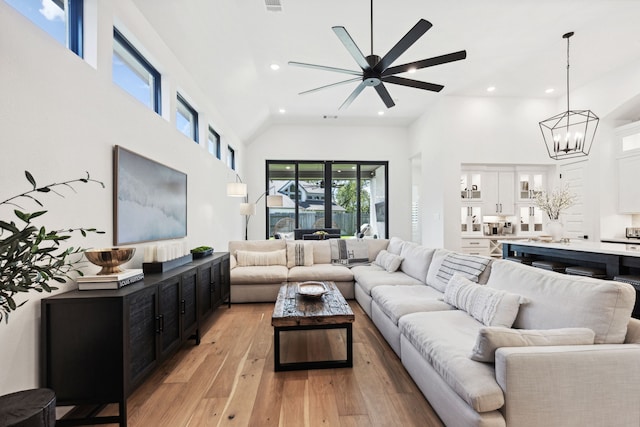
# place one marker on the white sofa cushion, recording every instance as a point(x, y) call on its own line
point(447, 350)
point(563, 301)
point(436, 262)
point(390, 262)
point(490, 306)
point(259, 275)
point(370, 276)
point(321, 251)
point(396, 301)
point(395, 245)
point(261, 259)
point(416, 260)
point(336, 273)
point(299, 253)
point(492, 338)
point(256, 245)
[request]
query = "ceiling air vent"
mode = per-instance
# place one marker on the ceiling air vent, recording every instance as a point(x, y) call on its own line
point(273, 5)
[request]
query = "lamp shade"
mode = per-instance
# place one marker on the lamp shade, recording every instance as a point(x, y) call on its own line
point(274, 201)
point(247, 208)
point(236, 189)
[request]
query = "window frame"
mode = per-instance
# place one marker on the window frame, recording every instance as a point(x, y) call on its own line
point(74, 25)
point(194, 114)
point(231, 157)
point(119, 38)
point(328, 169)
point(216, 142)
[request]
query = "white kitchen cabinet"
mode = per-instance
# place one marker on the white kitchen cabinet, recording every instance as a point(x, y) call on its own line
point(629, 184)
point(530, 220)
point(530, 184)
point(498, 197)
point(471, 186)
point(471, 219)
point(475, 247)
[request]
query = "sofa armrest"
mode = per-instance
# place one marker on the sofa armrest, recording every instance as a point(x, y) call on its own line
point(570, 385)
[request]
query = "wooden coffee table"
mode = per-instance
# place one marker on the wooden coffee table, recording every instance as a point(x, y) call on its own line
point(294, 312)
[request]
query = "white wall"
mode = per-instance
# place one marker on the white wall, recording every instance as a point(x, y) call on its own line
point(61, 117)
point(331, 142)
point(479, 130)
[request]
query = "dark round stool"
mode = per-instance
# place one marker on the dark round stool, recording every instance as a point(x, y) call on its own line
point(550, 265)
point(578, 270)
point(520, 259)
point(28, 408)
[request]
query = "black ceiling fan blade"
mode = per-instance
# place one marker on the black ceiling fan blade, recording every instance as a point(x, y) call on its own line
point(384, 95)
point(330, 85)
point(405, 43)
point(353, 95)
point(430, 62)
point(325, 68)
point(412, 83)
point(351, 46)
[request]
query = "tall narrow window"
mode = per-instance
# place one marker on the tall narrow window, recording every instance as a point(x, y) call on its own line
point(214, 142)
point(132, 72)
point(231, 157)
point(187, 119)
point(62, 19)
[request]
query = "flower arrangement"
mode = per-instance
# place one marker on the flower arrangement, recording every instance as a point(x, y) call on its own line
point(555, 202)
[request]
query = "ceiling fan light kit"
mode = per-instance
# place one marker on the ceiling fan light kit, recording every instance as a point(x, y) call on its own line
point(376, 71)
point(569, 134)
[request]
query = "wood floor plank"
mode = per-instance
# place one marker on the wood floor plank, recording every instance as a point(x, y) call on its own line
point(228, 380)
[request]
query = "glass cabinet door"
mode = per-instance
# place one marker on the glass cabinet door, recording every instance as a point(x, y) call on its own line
point(471, 185)
point(530, 184)
point(530, 219)
point(470, 219)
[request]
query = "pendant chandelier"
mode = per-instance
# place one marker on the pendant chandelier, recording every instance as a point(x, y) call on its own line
point(570, 134)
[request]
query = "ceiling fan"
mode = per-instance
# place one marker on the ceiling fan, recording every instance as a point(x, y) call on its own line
point(377, 71)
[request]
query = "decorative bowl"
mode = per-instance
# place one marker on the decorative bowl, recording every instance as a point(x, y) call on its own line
point(312, 289)
point(109, 259)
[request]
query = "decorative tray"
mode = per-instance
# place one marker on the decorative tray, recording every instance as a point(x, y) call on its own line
point(312, 289)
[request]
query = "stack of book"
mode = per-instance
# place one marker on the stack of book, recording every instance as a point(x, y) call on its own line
point(109, 281)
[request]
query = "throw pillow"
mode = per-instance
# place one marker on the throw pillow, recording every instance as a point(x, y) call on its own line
point(299, 254)
point(253, 258)
point(232, 262)
point(492, 338)
point(490, 306)
point(349, 252)
point(388, 261)
point(469, 266)
point(395, 245)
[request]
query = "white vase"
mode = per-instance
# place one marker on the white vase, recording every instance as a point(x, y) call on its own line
point(555, 228)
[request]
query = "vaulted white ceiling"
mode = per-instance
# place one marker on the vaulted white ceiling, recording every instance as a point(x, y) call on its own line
point(514, 45)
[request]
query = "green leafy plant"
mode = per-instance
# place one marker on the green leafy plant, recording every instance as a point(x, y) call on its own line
point(31, 256)
point(201, 249)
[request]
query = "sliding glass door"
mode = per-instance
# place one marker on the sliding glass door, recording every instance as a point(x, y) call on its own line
point(350, 196)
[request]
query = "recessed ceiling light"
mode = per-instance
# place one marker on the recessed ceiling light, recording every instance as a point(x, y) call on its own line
point(491, 88)
point(411, 70)
point(275, 66)
point(550, 90)
point(282, 111)
point(381, 113)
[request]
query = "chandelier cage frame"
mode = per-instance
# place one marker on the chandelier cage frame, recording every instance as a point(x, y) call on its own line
point(569, 134)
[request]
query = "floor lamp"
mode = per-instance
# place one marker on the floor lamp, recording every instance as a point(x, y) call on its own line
point(249, 209)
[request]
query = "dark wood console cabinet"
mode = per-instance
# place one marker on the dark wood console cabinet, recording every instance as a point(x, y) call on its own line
point(98, 346)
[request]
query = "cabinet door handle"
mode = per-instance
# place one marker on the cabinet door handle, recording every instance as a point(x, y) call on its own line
point(161, 323)
point(474, 243)
point(158, 324)
point(184, 307)
point(500, 207)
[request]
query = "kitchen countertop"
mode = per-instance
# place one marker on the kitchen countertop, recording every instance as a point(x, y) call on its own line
point(492, 237)
point(581, 245)
point(620, 240)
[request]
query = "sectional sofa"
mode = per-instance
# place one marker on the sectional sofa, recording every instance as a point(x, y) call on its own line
point(489, 343)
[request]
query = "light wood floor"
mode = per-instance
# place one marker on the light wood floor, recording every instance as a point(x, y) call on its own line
point(228, 380)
